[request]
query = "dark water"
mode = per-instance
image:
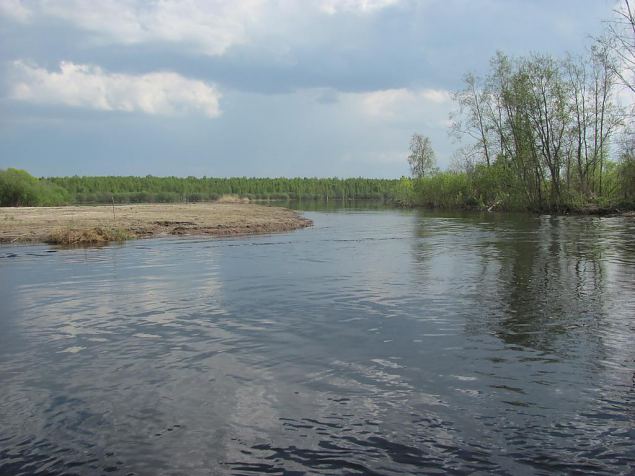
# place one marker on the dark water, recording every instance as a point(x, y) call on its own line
point(377, 342)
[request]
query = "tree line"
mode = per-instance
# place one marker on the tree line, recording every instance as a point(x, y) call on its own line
point(18, 188)
point(193, 189)
point(546, 124)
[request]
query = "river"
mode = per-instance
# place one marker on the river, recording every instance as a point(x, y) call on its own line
point(376, 342)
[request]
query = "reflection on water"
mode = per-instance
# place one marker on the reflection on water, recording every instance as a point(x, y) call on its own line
point(376, 342)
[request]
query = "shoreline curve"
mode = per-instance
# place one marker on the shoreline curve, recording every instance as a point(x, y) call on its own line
point(86, 225)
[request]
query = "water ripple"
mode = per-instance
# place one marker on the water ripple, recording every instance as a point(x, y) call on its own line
point(374, 343)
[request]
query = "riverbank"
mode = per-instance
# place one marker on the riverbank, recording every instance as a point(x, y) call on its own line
point(623, 211)
point(101, 224)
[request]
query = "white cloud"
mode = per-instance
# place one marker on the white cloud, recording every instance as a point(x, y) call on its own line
point(208, 26)
point(354, 6)
point(385, 103)
point(438, 96)
point(87, 86)
point(391, 103)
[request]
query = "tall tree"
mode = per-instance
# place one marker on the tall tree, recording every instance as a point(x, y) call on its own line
point(471, 118)
point(621, 40)
point(421, 158)
point(548, 112)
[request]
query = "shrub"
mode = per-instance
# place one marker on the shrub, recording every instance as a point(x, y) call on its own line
point(19, 188)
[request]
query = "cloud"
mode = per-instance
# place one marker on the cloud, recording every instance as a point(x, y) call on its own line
point(208, 26)
point(355, 6)
point(391, 103)
point(313, 79)
point(90, 87)
point(438, 96)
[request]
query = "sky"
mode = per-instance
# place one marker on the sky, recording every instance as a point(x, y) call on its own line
point(297, 88)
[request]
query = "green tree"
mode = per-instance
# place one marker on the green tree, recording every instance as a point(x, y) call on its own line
point(421, 158)
point(19, 188)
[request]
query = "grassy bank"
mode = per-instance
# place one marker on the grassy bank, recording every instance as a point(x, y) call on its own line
point(73, 225)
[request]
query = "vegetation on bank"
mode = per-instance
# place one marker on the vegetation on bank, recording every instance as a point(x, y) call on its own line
point(497, 187)
point(543, 130)
point(19, 188)
point(543, 133)
point(149, 189)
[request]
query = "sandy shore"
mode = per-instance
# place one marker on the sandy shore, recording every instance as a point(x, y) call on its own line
point(85, 224)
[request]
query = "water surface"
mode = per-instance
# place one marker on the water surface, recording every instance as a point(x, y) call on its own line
point(376, 342)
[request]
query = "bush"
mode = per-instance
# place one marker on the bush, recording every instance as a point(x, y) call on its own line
point(19, 188)
point(405, 193)
point(445, 190)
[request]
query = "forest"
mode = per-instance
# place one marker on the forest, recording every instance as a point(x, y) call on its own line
point(542, 132)
point(546, 134)
point(18, 188)
point(545, 129)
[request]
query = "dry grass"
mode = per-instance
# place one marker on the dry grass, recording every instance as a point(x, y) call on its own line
point(232, 199)
point(88, 236)
point(94, 225)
